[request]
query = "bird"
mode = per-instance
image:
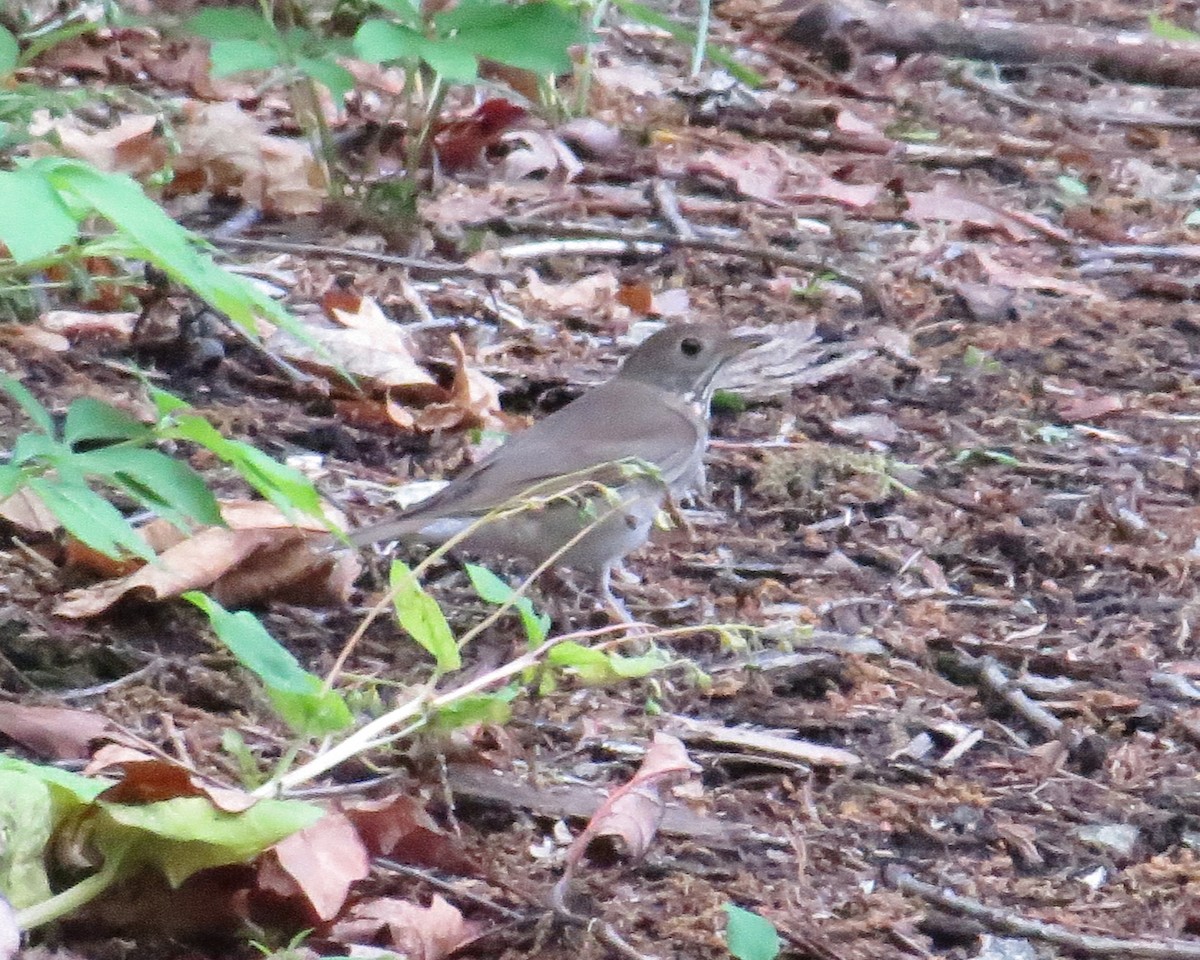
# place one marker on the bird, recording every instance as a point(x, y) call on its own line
point(588, 481)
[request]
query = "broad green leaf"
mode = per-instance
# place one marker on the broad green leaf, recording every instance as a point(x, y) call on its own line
point(36, 446)
point(160, 483)
point(422, 618)
point(1166, 30)
point(749, 936)
point(229, 23)
point(451, 60)
point(533, 36)
point(378, 41)
point(28, 403)
point(52, 38)
point(34, 221)
point(10, 52)
point(301, 698)
point(26, 820)
point(68, 790)
point(91, 419)
point(233, 56)
point(91, 519)
point(333, 76)
point(187, 834)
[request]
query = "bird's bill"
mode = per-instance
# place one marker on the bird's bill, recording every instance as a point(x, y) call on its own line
point(740, 342)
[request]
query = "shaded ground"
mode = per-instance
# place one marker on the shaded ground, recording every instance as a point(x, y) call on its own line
point(1047, 416)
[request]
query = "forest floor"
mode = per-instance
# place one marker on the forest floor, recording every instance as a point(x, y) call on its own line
point(1002, 647)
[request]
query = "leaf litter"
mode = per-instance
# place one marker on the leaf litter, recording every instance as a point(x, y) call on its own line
point(1052, 530)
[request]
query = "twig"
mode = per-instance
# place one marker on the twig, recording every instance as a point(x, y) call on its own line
point(438, 268)
point(599, 246)
point(429, 877)
point(1183, 253)
point(1005, 921)
point(663, 195)
point(873, 299)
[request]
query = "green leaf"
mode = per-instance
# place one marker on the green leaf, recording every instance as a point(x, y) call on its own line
point(11, 479)
point(229, 23)
point(187, 834)
point(451, 60)
point(68, 790)
point(1166, 30)
point(422, 619)
point(644, 14)
point(1192, 219)
point(89, 518)
point(26, 821)
point(10, 52)
point(37, 446)
point(333, 76)
point(600, 667)
point(34, 220)
point(234, 56)
point(146, 232)
point(492, 589)
point(379, 41)
point(301, 698)
point(29, 403)
point(749, 936)
point(91, 419)
point(160, 483)
point(493, 708)
point(533, 36)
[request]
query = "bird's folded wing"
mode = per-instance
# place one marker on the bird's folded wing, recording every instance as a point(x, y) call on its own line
point(619, 420)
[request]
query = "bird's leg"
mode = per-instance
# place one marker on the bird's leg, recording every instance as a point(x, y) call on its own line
point(624, 574)
point(671, 509)
point(614, 606)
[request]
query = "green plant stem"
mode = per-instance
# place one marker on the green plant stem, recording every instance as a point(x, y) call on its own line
point(599, 12)
point(71, 899)
point(702, 27)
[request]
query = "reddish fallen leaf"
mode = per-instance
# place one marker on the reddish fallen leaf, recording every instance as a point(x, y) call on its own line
point(462, 144)
point(151, 779)
point(400, 828)
point(319, 865)
point(638, 297)
point(418, 933)
point(56, 733)
point(632, 812)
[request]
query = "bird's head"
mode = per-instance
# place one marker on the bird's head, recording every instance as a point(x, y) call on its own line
point(684, 358)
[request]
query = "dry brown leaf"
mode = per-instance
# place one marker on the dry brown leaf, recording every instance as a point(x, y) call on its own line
point(262, 555)
point(365, 343)
point(633, 811)
point(226, 150)
point(593, 297)
point(947, 203)
point(57, 733)
point(78, 324)
point(418, 933)
point(399, 827)
point(132, 146)
point(319, 864)
point(26, 511)
point(1088, 404)
point(539, 152)
point(757, 173)
point(1017, 279)
point(474, 399)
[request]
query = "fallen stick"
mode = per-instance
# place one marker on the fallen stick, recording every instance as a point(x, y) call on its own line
point(1005, 921)
point(844, 28)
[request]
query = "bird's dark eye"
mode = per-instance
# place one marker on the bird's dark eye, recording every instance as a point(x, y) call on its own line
point(690, 346)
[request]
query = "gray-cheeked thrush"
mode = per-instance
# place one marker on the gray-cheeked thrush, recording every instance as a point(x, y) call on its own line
point(603, 464)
